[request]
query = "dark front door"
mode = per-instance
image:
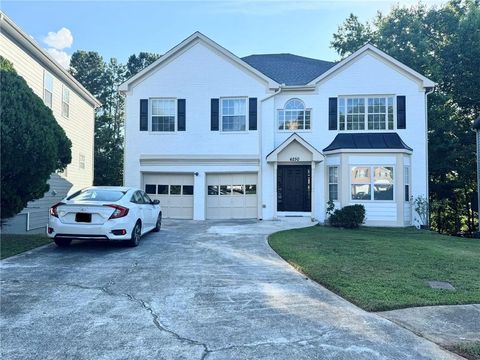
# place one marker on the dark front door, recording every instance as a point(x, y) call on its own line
point(293, 188)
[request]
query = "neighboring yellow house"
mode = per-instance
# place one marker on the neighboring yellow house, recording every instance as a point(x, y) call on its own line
point(74, 109)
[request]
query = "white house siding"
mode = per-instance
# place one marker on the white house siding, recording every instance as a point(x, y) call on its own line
point(200, 73)
point(79, 128)
point(196, 75)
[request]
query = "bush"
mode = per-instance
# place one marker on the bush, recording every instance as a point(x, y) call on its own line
point(350, 217)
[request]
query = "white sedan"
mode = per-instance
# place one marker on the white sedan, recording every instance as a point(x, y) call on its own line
point(104, 213)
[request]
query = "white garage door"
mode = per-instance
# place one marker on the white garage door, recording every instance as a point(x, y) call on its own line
point(231, 196)
point(175, 192)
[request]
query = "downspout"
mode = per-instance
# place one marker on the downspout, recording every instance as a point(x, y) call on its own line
point(428, 91)
point(260, 128)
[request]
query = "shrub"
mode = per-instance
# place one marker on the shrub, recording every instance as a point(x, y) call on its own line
point(349, 217)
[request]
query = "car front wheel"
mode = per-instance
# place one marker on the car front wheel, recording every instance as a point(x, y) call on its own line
point(136, 234)
point(62, 242)
point(158, 225)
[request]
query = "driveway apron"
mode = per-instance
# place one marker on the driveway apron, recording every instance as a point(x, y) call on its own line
point(196, 290)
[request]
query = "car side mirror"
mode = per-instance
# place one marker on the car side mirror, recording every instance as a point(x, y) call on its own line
point(155, 202)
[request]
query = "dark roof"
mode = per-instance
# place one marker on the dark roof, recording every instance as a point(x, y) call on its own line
point(367, 141)
point(288, 69)
point(476, 123)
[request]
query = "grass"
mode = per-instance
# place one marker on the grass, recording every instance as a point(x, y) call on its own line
point(15, 244)
point(470, 350)
point(385, 268)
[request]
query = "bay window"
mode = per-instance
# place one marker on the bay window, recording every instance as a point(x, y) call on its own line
point(366, 113)
point(372, 183)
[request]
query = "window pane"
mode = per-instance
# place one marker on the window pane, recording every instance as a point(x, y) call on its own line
point(150, 189)
point(187, 189)
point(163, 114)
point(65, 109)
point(407, 193)
point(162, 189)
point(281, 119)
point(383, 175)
point(360, 175)
point(307, 120)
point(163, 123)
point(333, 192)
point(175, 189)
point(48, 82)
point(234, 114)
point(361, 192)
point(212, 189)
point(250, 189)
point(225, 190)
point(333, 174)
point(238, 190)
point(47, 98)
point(383, 192)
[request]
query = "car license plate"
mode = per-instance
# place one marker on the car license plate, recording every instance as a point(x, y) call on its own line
point(83, 217)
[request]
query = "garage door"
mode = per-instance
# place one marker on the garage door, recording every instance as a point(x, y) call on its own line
point(232, 196)
point(175, 192)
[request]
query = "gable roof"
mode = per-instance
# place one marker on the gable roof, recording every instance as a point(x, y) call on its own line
point(316, 155)
point(369, 48)
point(27, 44)
point(288, 69)
point(365, 141)
point(191, 40)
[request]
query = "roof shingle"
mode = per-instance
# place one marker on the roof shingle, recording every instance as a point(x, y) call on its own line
point(367, 141)
point(288, 69)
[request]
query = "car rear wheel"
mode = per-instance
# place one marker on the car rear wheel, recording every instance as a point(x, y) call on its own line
point(63, 242)
point(136, 234)
point(158, 225)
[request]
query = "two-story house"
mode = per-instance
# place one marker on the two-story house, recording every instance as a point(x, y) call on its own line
point(74, 109)
point(214, 136)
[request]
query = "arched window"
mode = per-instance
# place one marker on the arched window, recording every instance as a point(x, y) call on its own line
point(294, 116)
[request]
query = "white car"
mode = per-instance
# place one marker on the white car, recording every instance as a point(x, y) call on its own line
point(104, 213)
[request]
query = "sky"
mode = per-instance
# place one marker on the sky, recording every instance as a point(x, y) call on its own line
point(121, 28)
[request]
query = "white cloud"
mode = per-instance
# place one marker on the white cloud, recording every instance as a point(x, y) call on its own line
point(60, 56)
point(59, 40)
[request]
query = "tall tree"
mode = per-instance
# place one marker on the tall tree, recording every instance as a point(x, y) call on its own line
point(139, 62)
point(88, 67)
point(33, 144)
point(433, 42)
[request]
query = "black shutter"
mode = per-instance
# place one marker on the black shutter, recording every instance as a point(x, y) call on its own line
point(214, 109)
point(332, 113)
point(181, 114)
point(143, 114)
point(401, 112)
point(252, 113)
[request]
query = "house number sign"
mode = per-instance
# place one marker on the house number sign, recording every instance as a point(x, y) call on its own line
point(295, 158)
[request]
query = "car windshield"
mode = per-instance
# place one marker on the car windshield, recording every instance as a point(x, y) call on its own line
point(97, 195)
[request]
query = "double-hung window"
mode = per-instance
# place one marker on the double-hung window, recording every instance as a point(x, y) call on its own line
point(406, 175)
point(164, 114)
point(294, 116)
point(233, 114)
point(372, 182)
point(47, 88)
point(366, 113)
point(333, 183)
point(65, 102)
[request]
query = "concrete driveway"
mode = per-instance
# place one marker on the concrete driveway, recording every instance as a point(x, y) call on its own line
point(196, 290)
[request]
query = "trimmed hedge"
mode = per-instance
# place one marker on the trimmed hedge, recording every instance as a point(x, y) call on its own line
point(350, 217)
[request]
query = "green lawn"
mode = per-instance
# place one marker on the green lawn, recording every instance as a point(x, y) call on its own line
point(469, 350)
point(384, 268)
point(15, 244)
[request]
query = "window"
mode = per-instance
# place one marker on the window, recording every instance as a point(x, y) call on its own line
point(175, 189)
point(97, 195)
point(187, 190)
point(163, 114)
point(162, 189)
point(238, 190)
point(406, 175)
point(81, 161)
point(333, 183)
point(150, 189)
point(47, 89)
point(377, 114)
point(137, 198)
point(212, 189)
point(234, 114)
point(146, 198)
point(294, 116)
point(250, 189)
point(65, 102)
point(367, 178)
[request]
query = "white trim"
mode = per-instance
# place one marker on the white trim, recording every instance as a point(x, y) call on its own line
point(150, 115)
point(317, 156)
point(21, 38)
point(426, 83)
point(220, 114)
point(195, 38)
point(374, 151)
